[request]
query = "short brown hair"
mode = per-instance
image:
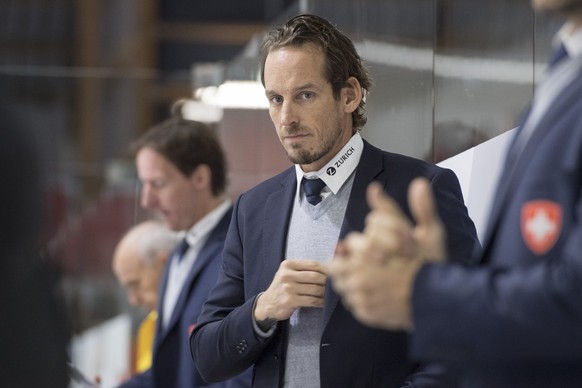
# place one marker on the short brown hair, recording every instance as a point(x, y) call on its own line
point(342, 59)
point(187, 144)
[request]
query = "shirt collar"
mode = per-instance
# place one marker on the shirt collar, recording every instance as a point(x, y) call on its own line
point(572, 39)
point(202, 228)
point(338, 170)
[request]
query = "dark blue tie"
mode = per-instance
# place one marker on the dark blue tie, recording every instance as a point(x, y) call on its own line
point(181, 249)
point(312, 188)
point(559, 54)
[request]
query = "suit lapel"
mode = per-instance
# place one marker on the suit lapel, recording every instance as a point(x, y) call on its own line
point(515, 167)
point(212, 247)
point(369, 168)
point(207, 254)
point(278, 207)
point(163, 285)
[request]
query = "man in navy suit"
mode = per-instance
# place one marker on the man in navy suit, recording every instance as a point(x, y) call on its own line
point(272, 307)
point(182, 169)
point(515, 320)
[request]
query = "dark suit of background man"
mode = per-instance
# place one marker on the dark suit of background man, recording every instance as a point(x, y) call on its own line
point(182, 168)
point(272, 307)
point(516, 320)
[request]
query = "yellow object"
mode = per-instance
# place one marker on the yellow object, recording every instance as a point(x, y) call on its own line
point(145, 342)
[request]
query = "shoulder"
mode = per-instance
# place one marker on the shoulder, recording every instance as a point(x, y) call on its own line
point(400, 164)
point(222, 226)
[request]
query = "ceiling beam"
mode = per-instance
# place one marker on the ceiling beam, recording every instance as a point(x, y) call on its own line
point(212, 33)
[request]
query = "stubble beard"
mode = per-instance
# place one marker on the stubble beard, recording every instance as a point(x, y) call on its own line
point(304, 156)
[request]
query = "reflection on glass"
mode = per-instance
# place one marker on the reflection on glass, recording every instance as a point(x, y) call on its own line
point(483, 71)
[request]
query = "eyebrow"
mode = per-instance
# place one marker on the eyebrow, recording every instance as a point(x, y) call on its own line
point(309, 85)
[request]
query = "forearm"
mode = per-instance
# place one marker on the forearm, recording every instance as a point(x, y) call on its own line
point(466, 315)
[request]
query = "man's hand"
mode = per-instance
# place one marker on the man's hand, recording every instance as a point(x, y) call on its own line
point(374, 271)
point(297, 283)
point(376, 291)
point(391, 232)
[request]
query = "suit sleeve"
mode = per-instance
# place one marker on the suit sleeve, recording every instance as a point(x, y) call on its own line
point(462, 245)
point(468, 315)
point(224, 343)
point(462, 242)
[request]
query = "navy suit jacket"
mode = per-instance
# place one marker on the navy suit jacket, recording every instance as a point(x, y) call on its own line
point(172, 365)
point(517, 321)
point(352, 355)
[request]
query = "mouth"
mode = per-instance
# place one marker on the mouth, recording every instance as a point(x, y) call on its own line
point(295, 137)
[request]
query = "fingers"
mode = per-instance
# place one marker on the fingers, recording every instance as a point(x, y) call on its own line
point(378, 294)
point(354, 257)
point(420, 199)
point(297, 283)
point(304, 271)
point(422, 203)
point(363, 247)
point(429, 231)
point(341, 248)
point(378, 200)
point(388, 229)
point(392, 232)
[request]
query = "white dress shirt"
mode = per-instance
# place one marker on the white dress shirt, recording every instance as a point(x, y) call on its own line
point(180, 269)
point(337, 171)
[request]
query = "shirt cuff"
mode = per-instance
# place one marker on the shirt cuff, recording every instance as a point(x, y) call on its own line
point(257, 329)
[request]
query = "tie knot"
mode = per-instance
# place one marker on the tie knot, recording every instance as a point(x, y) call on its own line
point(312, 188)
point(181, 249)
point(558, 54)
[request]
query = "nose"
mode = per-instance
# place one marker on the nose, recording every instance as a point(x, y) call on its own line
point(288, 116)
point(147, 197)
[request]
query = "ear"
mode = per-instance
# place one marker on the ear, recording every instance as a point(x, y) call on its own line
point(351, 94)
point(201, 177)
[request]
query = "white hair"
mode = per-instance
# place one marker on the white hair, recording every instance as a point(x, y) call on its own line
point(151, 238)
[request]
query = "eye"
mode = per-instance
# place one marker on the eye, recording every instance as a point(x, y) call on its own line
point(306, 95)
point(276, 100)
point(158, 184)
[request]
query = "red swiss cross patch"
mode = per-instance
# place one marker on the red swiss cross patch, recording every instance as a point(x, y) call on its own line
point(541, 225)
